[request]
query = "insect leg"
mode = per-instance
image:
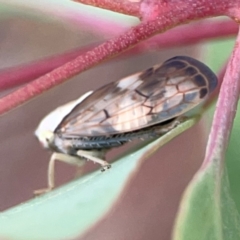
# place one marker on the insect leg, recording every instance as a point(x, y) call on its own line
point(51, 169)
point(94, 157)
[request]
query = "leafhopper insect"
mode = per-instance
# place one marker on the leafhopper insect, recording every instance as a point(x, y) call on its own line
point(143, 105)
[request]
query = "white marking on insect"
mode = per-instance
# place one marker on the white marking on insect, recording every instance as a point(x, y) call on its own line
point(145, 104)
point(52, 120)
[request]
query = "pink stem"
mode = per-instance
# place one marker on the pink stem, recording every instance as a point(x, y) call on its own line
point(225, 109)
point(185, 35)
point(152, 9)
point(171, 17)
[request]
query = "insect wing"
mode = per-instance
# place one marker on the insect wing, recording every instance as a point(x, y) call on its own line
point(147, 98)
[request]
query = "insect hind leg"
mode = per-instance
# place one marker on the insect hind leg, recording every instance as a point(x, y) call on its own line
point(95, 156)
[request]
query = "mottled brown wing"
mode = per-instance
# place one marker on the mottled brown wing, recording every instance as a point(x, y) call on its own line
point(147, 98)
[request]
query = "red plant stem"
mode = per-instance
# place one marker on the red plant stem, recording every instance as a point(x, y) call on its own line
point(122, 6)
point(185, 35)
point(225, 109)
point(15, 76)
point(111, 48)
point(152, 9)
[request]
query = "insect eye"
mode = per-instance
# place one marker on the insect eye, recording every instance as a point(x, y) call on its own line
point(49, 136)
point(45, 138)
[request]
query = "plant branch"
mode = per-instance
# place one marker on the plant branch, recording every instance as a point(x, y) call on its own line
point(152, 9)
point(107, 50)
point(185, 35)
point(225, 109)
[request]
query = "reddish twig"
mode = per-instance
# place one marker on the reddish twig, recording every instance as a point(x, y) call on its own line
point(225, 109)
point(181, 36)
point(171, 17)
point(152, 9)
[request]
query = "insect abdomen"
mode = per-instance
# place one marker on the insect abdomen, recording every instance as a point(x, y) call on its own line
point(116, 140)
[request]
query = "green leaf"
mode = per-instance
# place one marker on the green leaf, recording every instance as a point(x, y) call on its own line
point(207, 211)
point(233, 160)
point(210, 206)
point(70, 210)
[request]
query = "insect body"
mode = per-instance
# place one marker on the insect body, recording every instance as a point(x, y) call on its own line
point(145, 104)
